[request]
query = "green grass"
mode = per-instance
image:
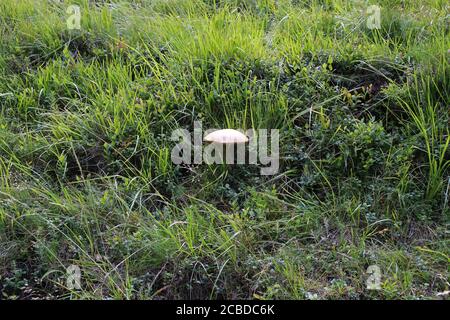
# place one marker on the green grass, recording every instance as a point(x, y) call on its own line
point(86, 177)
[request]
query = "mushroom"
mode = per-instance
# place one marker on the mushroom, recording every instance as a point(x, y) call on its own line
point(226, 136)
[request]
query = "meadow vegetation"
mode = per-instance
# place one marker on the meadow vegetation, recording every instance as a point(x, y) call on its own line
point(86, 176)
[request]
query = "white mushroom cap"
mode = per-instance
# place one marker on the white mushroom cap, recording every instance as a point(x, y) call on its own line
point(226, 136)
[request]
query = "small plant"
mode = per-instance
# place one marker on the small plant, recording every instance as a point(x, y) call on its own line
point(425, 111)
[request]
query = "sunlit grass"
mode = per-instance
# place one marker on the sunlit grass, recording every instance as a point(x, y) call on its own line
point(86, 176)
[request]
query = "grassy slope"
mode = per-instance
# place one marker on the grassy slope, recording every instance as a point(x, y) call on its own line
point(85, 170)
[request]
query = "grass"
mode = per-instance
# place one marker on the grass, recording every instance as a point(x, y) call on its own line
point(86, 177)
